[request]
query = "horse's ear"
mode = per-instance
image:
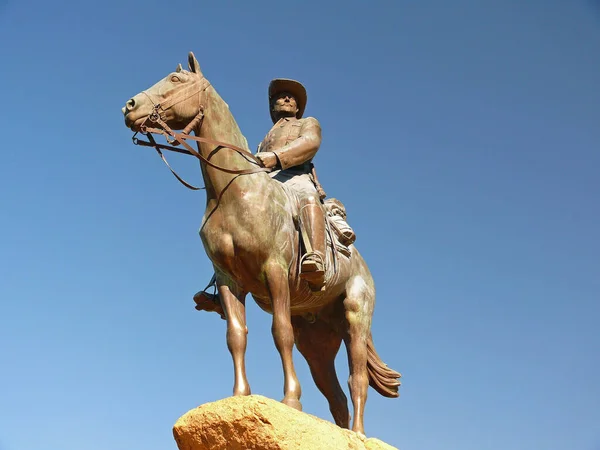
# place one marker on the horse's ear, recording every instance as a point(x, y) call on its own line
point(179, 68)
point(193, 63)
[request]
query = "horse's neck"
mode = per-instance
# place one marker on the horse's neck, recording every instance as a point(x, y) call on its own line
point(219, 125)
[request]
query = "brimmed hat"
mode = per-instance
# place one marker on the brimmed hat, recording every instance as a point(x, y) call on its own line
point(279, 85)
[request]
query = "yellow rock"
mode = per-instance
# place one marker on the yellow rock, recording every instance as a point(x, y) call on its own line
point(258, 423)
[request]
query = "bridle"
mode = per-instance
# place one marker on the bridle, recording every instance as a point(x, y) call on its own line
point(174, 138)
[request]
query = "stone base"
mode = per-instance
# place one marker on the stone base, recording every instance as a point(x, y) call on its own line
point(258, 423)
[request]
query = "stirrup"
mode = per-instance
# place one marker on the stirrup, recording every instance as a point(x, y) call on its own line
point(206, 301)
point(203, 296)
point(312, 262)
point(312, 269)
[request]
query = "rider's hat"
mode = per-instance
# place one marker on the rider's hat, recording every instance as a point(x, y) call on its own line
point(279, 85)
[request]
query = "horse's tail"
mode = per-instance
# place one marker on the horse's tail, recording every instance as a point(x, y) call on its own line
point(381, 378)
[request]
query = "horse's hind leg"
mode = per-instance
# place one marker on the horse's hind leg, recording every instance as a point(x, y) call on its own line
point(319, 344)
point(233, 303)
point(358, 305)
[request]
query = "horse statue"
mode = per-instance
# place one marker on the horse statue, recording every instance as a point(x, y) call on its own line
point(251, 234)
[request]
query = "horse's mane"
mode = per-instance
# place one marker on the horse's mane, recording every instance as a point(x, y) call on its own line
point(227, 127)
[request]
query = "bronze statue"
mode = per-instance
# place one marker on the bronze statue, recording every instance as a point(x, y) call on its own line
point(264, 229)
point(290, 146)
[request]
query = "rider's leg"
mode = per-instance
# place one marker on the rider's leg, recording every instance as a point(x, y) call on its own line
point(313, 262)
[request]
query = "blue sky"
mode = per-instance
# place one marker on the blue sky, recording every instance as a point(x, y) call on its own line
point(463, 138)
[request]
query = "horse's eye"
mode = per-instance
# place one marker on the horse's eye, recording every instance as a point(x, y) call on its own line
point(175, 79)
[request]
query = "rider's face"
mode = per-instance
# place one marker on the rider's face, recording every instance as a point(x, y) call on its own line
point(284, 104)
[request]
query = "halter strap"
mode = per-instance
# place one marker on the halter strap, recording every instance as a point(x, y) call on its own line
point(197, 88)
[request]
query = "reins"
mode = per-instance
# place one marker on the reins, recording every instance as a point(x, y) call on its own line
point(175, 138)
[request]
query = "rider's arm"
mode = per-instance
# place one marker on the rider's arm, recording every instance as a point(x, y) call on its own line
point(304, 147)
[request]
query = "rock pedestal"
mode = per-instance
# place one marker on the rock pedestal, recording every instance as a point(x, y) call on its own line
point(258, 423)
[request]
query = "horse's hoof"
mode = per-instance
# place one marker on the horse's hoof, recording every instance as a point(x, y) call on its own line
point(360, 431)
point(242, 390)
point(292, 403)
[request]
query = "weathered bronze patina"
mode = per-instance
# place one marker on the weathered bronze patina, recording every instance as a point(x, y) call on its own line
point(269, 233)
point(289, 147)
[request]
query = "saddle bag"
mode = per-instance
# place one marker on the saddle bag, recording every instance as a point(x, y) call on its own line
point(336, 215)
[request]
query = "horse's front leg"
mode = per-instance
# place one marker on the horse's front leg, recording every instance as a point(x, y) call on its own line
point(233, 303)
point(283, 333)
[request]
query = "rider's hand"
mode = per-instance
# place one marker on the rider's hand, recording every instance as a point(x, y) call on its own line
point(268, 159)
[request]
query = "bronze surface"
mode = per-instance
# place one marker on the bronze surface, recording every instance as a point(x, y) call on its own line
point(252, 232)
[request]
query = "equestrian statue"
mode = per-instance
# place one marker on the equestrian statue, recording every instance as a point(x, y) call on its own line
point(270, 231)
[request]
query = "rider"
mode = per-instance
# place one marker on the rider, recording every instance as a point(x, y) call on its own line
point(288, 148)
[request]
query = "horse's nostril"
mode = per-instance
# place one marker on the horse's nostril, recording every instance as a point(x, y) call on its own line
point(130, 104)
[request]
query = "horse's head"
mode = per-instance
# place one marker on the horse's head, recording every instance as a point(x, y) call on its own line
point(175, 98)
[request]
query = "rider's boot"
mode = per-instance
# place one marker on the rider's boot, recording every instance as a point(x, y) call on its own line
point(312, 264)
point(205, 301)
